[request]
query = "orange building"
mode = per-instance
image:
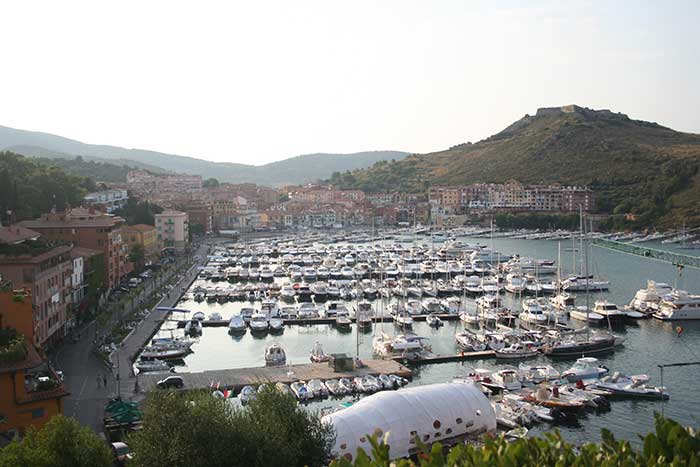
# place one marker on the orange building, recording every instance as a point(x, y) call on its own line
point(30, 391)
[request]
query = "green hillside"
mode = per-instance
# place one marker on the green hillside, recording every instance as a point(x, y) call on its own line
point(634, 166)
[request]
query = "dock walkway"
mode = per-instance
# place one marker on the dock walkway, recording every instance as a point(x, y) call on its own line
point(236, 378)
point(314, 321)
point(677, 259)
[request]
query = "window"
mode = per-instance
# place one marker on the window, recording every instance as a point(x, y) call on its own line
point(37, 413)
point(3, 419)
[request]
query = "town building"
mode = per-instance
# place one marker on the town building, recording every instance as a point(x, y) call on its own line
point(173, 229)
point(143, 235)
point(88, 228)
point(107, 200)
point(145, 184)
point(32, 393)
point(45, 269)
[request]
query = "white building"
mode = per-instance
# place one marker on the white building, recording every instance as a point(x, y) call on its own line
point(109, 200)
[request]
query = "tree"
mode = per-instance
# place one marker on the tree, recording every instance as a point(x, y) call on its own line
point(61, 443)
point(198, 430)
point(210, 183)
point(196, 230)
point(137, 255)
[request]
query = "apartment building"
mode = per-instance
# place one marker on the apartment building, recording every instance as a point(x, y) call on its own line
point(172, 229)
point(88, 228)
point(146, 236)
point(107, 200)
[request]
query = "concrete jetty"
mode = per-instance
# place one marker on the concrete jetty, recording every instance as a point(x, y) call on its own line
point(237, 378)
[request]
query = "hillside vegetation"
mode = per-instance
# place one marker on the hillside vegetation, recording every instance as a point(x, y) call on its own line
point(634, 166)
point(29, 188)
point(294, 170)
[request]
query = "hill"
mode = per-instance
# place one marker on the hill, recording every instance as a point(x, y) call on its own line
point(635, 167)
point(294, 170)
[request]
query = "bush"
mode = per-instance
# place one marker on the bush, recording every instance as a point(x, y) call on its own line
point(12, 348)
point(61, 443)
point(670, 445)
point(197, 430)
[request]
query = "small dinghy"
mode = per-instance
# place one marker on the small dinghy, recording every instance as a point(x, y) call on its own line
point(318, 389)
point(275, 356)
point(334, 388)
point(318, 355)
point(301, 391)
point(433, 320)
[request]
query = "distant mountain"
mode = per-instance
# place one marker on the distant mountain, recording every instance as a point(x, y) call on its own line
point(639, 168)
point(294, 170)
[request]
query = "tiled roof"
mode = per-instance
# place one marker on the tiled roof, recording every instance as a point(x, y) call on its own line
point(17, 234)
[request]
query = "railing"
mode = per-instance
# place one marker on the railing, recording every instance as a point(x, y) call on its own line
point(676, 259)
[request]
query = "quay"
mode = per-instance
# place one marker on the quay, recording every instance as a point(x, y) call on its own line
point(677, 259)
point(313, 321)
point(434, 358)
point(236, 379)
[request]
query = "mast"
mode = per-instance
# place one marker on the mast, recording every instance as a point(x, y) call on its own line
point(588, 298)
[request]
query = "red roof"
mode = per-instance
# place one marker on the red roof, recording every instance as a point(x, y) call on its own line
point(17, 234)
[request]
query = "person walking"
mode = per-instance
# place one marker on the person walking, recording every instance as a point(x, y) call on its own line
point(98, 381)
point(104, 379)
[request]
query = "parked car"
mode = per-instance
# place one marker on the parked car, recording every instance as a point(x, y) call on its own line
point(171, 382)
point(122, 453)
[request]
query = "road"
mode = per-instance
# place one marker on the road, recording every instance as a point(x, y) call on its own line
point(82, 368)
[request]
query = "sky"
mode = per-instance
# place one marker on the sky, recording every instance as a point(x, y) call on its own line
point(258, 81)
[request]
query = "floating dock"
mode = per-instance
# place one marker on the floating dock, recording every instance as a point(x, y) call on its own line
point(434, 358)
point(236, 379)
point(314, 321)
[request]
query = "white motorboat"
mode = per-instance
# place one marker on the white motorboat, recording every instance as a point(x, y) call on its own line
point(247, 313)
point(469, 317)
point(402, 344)
point(468, 342)
point(247, 394)
point(515, 283)
point(275, 356)
point(152, 365)
point(433, 320)
point(678, 305)
point(403, 320)
point(452, 305)
point(507, 379)
point(318, 355)
point(537, 373)
point(152, 352)
point(609, 311)
point(414, 307)
point(258, 323)
point(631, 387)
point(236, 325)
point(582, 284)
point(580, 314)
point(307, 310)
point(216, 317)
point(333, 307)
point(343, 321)
point(287, 293)
point(562, 301)
point(516, 351)
point(276, 325)
point(317, 388)
point(269, 308)
point(585, 368)
point(532, 313)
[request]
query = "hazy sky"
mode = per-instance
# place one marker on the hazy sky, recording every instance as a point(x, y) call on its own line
point(257, 81)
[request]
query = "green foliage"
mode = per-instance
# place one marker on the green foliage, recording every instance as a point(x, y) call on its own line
point(137, 212)
point(670, 445)
point(198, 430)
point(12, 348)
point(137, 255)
point(196, 230)
point(61, 443)
point(28, 188)
point(99, 171)
point(210, 183)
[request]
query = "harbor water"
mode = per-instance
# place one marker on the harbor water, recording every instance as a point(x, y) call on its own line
point(648, 343)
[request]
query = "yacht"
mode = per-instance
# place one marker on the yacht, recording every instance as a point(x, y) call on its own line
point(678, 305)
point(609, 311)
point(402, 344)
point(562, 301)
point(270, 308)
point(307, 310)
point(647, 300)
point(193, 326)
point(275, 356)
point(236, 325)
point(532, 313)
point(468, 341)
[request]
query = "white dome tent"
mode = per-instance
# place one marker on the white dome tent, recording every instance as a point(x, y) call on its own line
point(436, 412)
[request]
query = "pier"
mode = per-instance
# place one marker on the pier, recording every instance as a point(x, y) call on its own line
point(677, 259)
point(236, 379)
point(434, 358)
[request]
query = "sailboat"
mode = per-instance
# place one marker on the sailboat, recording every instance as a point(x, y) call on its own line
point(572, 344)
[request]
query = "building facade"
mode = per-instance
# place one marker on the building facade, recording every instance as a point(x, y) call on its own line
point(107, 200)
point(144, 235)
point(91, 229)
point(173, 229)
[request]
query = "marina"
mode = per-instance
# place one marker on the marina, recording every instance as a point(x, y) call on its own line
point(235, 359)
